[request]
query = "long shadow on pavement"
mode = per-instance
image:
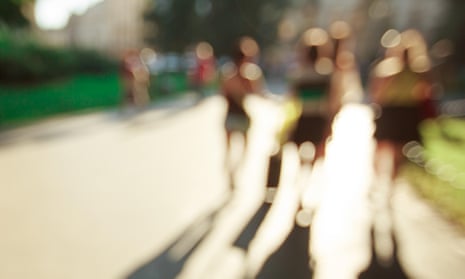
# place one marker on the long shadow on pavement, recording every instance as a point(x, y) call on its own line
point(379, 270)
point(291, 260)
point(169, 263)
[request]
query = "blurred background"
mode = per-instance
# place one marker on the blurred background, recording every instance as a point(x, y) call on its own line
point(52, 45)
point(61, 58)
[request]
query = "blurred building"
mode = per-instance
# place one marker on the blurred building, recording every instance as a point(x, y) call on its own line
point(111, 26)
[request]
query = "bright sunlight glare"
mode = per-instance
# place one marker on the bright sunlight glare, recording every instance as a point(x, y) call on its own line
point(54, 14)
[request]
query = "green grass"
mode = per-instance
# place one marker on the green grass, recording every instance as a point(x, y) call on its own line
point(441, 176)
point(444, 141)
point(448, 199)
point(84, 91)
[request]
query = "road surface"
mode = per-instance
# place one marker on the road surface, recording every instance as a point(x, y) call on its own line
point(144, 194)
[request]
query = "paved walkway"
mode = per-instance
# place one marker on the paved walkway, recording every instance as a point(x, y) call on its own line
point(145, 195)
point(94, 196)
point(431, 246)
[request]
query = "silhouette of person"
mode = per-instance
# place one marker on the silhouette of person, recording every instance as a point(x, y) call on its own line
point(346, 81)
point(399, 85)
point(136, 78)
point(239, 79)
point(311, 84)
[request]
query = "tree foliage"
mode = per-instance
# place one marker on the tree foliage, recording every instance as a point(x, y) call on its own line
point(180, 23)
point(11, 13)
point(23, 59)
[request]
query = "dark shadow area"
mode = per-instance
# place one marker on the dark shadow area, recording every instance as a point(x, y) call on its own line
point(377, 269)
point(136, 120)
point(53, 128)
point(169, 263)
point(52, 135)
point(274, 170)
point(249, 231)
point(75, 124)
point(292, 259)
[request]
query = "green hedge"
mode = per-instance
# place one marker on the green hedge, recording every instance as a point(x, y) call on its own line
point(24, 60)
point(84, 91)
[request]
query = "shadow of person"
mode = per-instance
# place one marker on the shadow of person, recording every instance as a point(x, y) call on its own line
point(169, 263)
point(379, 269)
point(292, 259)
point(285, 254)
point(248, 233)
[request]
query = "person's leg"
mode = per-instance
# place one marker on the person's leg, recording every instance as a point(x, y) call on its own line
point(228, 160)
point(398, 157)
point(384, 158)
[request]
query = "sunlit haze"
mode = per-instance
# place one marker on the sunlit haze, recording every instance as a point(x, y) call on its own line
point(54, 14)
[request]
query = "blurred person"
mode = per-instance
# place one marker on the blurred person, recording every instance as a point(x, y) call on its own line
point(400, 85)
point(239, 79)
point(203, 74)
point(136, 79)
point(346, 80)
point(311, 85)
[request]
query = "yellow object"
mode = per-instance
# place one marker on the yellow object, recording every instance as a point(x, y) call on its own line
point(292, 109)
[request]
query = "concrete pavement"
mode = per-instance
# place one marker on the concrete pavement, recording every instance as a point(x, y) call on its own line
point(105, 194)
point(94, 196)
